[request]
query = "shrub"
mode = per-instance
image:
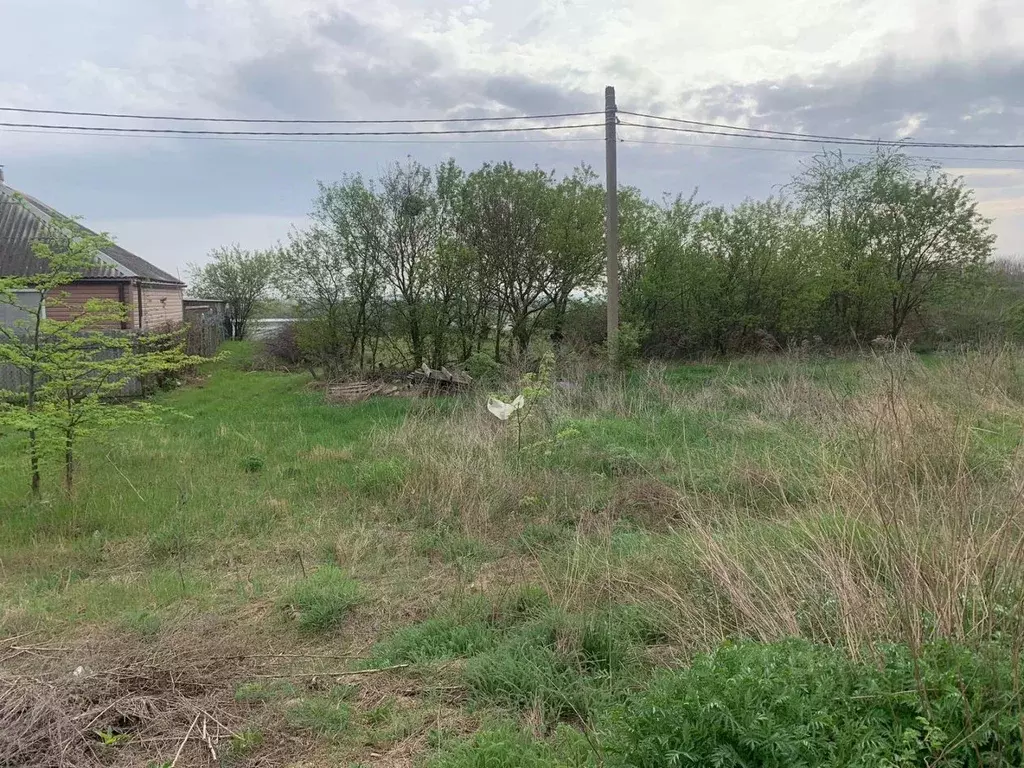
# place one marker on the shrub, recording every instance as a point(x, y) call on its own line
point(585, 323)
point(798, 704)
point(321, 601)
point(323, 344)
point(283, 346)
point(482, 367)
point(625, 348)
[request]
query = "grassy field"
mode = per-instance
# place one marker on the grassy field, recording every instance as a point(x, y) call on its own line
point(267, 579)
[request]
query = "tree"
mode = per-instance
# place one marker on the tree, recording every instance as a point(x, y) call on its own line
point(408, 221)
point(506, 220)
point(239, 277)
point(451, 283)
point(669, 286)
point(76, 370)
point(895, 233)
point(575, 240)
point(928, 231)
point(24, 345)
point(313, 273)
point(347, 217)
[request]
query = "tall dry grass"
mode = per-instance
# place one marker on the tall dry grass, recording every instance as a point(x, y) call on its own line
point(913, 527)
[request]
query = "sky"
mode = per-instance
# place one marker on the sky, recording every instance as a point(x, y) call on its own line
point(936, 70)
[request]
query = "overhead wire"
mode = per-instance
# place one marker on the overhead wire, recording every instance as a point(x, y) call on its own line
point(744, 147)
point(203, 132)
point(731, 131)
point(308, 140)
point(725, 126)
point(698, 127)
point(298, 121)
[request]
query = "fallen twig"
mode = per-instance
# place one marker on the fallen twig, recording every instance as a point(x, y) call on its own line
point(372, 671)
point(181, 746)
point(209, 744)
point(218, 722)
point(240, 656)
point(12, 638)
point(122, 474)
point(335, 674)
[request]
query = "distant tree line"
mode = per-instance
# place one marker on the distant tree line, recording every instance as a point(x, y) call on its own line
point(437, 265)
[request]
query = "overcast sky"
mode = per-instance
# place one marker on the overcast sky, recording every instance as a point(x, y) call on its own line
point(949, 70)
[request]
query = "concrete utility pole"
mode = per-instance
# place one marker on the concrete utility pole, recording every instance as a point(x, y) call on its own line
point(611, 220)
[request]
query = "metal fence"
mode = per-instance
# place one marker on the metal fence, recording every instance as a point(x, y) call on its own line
point(13, 379)
point(203, 336)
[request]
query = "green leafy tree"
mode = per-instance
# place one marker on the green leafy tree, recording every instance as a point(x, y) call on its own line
point(896, 234)
point(409, 234)
point(506, 221)
point(575, 240)
point(669, 283)
point(24, 344)
point(452, 282)
point(75, 370)
point(314, 274)
point(348, 220)
point(239, 277)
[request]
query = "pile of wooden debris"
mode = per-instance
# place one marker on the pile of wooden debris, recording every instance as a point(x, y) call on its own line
point(423, 382)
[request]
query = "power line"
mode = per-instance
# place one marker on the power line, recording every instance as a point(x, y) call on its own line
point(701, 145)
point(393, 121)
point(818, 139)
point(299, 140)
point(742, 128)
point(200, 132)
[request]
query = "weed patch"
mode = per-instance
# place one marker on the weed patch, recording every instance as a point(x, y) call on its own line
point(321, 601)
point(326, 716)
point(509, 747)
point(795, 703)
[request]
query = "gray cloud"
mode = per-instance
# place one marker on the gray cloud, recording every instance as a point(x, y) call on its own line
point(348, 66)
point(287, 81)
point(983, 102)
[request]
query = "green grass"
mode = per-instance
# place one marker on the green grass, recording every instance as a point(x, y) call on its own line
point(508, 747)
point(327, 716)
point(321, 601)
point(536, 607)
point(437, 639)
point(195, 461)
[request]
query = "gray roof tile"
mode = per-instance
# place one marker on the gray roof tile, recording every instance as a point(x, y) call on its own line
point(24, 220)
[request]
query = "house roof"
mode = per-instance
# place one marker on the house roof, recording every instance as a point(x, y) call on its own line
point(24, 220)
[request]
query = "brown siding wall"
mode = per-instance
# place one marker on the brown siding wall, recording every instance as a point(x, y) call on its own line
point(161, 306)
point(68, 302)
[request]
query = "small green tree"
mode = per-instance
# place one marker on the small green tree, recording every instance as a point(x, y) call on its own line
point(75, 371)
point(239, 277)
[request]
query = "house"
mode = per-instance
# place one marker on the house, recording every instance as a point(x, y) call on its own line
point(153, 297)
